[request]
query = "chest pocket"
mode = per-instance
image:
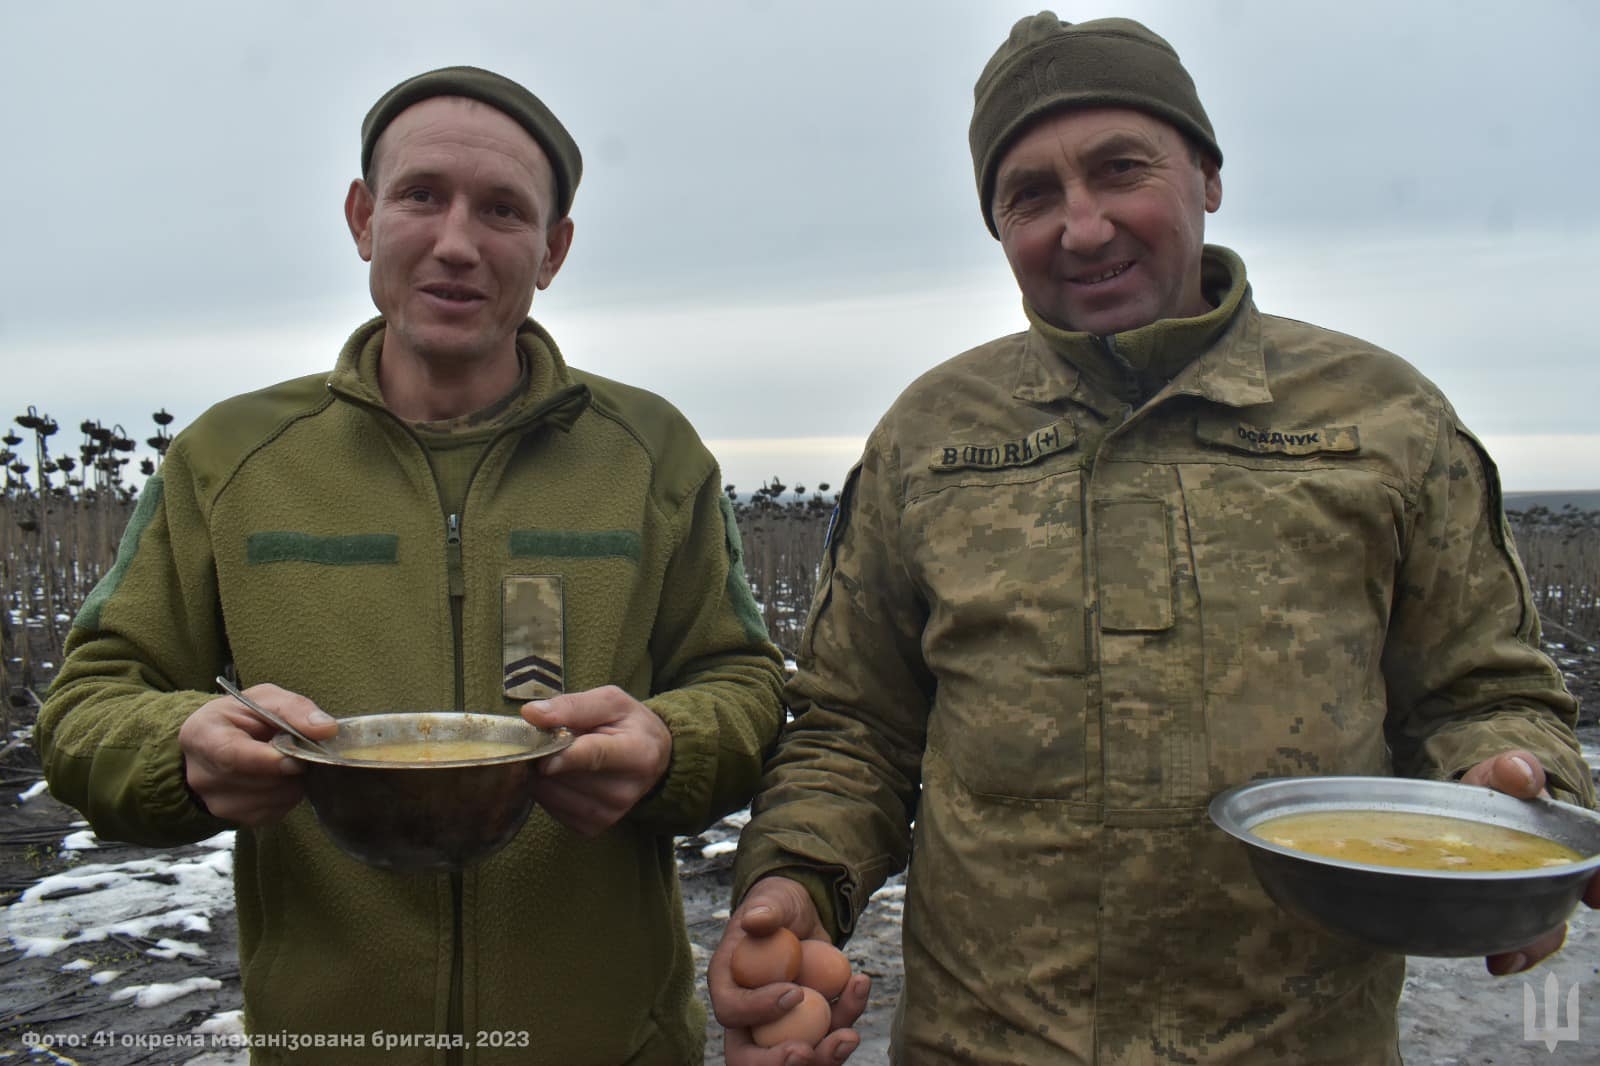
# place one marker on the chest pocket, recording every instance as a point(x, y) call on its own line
point(1295, 561)
point(1000, 557)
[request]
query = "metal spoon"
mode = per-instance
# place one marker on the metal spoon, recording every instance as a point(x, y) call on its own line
point(272, 719)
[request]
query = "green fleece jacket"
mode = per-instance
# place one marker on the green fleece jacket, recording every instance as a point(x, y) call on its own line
point(297, 534)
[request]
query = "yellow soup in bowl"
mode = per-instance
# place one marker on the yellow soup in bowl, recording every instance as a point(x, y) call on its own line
point(435, 751)
point(1414, 841)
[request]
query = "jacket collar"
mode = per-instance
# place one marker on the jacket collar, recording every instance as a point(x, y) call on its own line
point(1216, 355)
point(552, 397)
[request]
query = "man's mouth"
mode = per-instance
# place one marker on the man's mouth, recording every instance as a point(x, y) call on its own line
point(1102, 275)
point(453, 293)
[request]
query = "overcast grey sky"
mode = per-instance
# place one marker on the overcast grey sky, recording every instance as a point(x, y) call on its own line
point(777, 227)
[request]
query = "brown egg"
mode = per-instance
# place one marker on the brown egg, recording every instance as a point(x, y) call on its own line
point(761, 960)
point(808, 1022)
point(824, 968)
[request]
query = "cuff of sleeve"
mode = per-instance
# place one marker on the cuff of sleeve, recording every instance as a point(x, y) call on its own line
point(1567, 776)
point(172, 803)
point(137, 794)
point(673, 805)
point(826, 889)
point(837, 894)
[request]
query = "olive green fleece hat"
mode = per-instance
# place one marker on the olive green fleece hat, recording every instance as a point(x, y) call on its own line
point(1050, 65)
point(500, 93)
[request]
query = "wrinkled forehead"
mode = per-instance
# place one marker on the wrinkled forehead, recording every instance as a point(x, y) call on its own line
point(440, 126)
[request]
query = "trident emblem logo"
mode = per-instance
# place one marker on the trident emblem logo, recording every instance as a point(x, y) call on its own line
point(1551, 1032)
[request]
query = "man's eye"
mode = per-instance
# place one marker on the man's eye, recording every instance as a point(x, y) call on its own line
point(420, 196)
point(1118, 167)
point(506, 211)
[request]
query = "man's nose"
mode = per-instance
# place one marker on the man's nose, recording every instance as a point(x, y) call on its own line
point(455, 242)
point(1085, 228)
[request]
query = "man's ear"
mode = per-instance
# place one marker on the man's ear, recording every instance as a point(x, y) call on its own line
point(358, 206)
point(557, 242)
point(1213, 175)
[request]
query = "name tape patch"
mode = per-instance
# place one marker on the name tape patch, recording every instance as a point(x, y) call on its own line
point(1278, 440)
point(1056, 437)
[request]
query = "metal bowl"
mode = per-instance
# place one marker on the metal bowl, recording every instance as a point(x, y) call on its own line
point(1415, 912)
point(434, 815)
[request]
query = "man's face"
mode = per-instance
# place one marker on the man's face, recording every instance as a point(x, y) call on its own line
point(1102, 217)
point(457, 228)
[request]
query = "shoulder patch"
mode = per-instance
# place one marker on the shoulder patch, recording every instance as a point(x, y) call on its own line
point(838, 523)
point(743, 601)
point(1058, 436)
point(143, 513)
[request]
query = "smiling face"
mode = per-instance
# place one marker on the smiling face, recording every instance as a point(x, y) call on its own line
point(457, 228)
point(1102, 217)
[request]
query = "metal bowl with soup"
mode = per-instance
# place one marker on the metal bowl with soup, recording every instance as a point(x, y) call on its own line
point(424, 791)
point(1414, 867)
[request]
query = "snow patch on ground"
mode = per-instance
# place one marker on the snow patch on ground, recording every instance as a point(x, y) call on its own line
point(721, 847)
point(156, 995)
point(82, 840)
point(95, 901)
point(170, 949)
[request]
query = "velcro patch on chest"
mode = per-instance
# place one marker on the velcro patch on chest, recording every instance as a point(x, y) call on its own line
point(1280, 439)
point(534, 637)
point(349, 549)
point(997, 455)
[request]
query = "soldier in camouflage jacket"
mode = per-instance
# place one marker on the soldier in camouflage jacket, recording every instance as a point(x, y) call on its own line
point(1088, 576)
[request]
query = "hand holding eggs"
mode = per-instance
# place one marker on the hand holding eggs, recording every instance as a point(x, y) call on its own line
point(820, 967)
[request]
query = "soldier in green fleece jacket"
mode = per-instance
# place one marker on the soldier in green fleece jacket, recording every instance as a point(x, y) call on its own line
point(453, 518)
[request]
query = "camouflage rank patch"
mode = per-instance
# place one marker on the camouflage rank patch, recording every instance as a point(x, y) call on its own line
point(1280, 440)
point(533, 634)
point(1056, 437)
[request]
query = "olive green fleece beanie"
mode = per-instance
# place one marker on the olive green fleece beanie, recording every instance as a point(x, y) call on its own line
point(1049, 65)
point(500, 93)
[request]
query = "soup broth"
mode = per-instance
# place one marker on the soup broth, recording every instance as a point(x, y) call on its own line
point(1414, 841)
point(435, 751)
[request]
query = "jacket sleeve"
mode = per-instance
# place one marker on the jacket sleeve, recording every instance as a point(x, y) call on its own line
point(1466, 678)
point(139, 660)
point(839, 796)
point(717, 678)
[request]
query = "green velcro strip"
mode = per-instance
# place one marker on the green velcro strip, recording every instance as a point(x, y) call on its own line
point(743, 601)
point(354, 549)
point(575, 544)
point(143, 513)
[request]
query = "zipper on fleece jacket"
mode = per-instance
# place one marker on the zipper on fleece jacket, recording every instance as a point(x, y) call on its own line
point(455, 571)
point(457, 578)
